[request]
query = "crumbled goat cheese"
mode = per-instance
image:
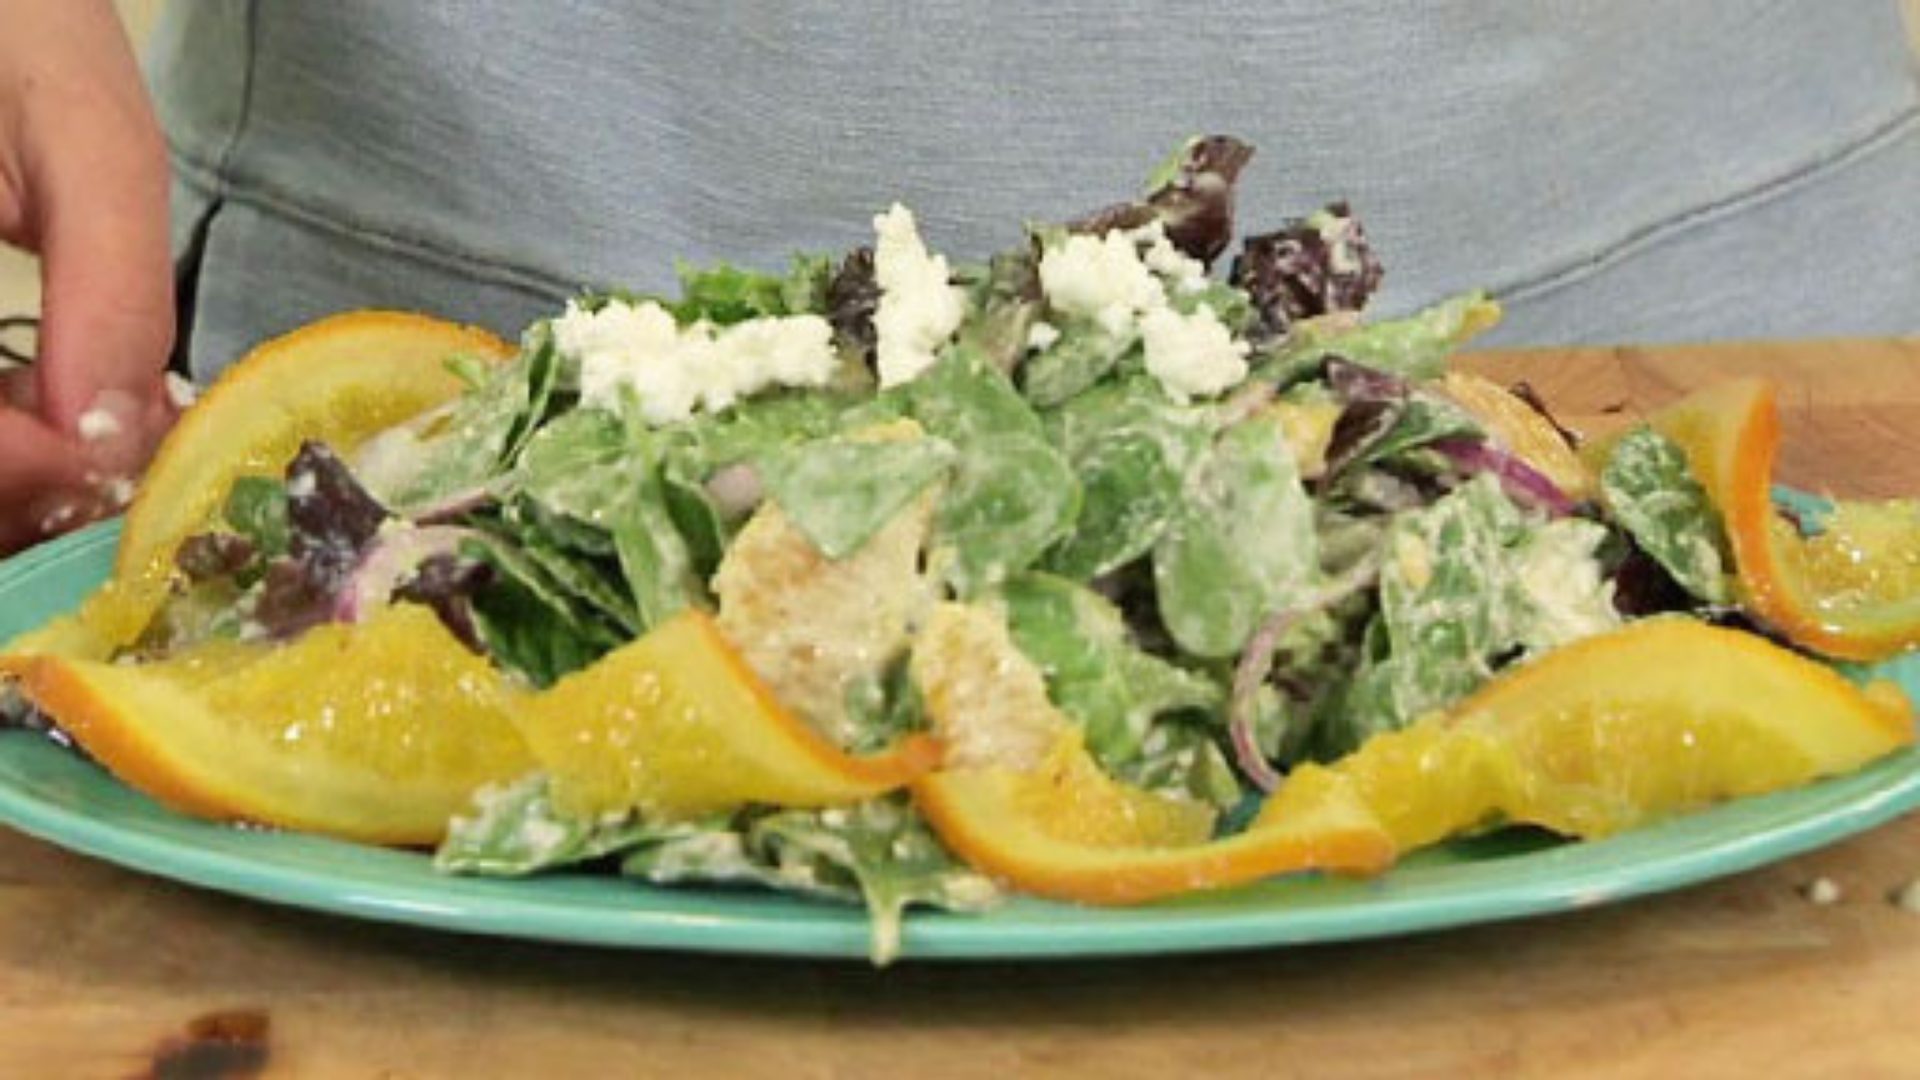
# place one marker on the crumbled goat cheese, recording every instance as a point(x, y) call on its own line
point(1823, 891)
point(1569, 597)
point(181, 390)
point(1042, 335)
point(919, 307)
point(1120, 280)
point(97, 424)
point(1187, 273)
point(1192, 355)
point(673, 370)
point(1101, 278)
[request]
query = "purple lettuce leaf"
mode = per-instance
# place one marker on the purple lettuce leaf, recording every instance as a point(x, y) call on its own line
point(1192, 198)
point(1310, 267)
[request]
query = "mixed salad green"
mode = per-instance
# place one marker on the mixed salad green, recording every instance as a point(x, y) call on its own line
point(1235, 523)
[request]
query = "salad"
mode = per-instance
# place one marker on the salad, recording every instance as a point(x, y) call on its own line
point(1179, 507)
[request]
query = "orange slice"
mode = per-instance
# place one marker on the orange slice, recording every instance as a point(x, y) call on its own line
point(676, 725)
point(340, 379)
point(376, 732)
point(1854, 591)
point(1600, 736)
point(1661, 717)
point(1068, 831)
point(1022, 800)
point(1518, 428)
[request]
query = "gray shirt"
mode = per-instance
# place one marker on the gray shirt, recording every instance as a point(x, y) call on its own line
point(1626, 171)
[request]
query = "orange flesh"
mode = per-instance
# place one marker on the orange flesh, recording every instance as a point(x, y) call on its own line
point(676, 724)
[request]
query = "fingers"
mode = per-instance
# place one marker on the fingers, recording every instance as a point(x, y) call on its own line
point(106, 281)
point(93, 172)
point(39, 473)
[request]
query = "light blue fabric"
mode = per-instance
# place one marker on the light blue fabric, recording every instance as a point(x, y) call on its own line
point(1631, 171)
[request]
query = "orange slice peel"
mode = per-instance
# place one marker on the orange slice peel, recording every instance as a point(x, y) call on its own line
point(1807, 588)
point(1070, 832)
point(675, 724)
point(340, 379)
point(377, 732)
point(1661, 717)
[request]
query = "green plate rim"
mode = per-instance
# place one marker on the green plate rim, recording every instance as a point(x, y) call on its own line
point(399, 887)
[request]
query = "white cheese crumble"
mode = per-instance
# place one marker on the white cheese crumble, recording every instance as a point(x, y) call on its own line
point(1041, 336)
point(181, 391)
point(1187, 273)
point(1568, 596)
point(1101, 278)
point(919, 306)
point(1120, 280)
point(1823, 891)
point(1192, 355)
point(98, 423)
point(672, 370)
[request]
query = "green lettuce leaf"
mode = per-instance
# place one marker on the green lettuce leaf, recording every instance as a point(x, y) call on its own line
point(1094, 672)
point(1132, 449)
point(1242, 547)
point(1013, 495)
point(1415, 347)
point(1652, 494)
point(840, 491)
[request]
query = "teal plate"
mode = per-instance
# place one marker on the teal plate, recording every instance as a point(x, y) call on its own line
point(50, 794)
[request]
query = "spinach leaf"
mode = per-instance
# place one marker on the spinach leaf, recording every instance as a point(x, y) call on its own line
point(485, 427)
point(1183, 759)
point(591, 466)
point(1094, 672)
point(724, 295)
point(588, 578)
point(256, 508)
point(884, 851)
point(1004, 300)
point(528, 625)
point(840, 491)
point(1082, 354)
point(1466, 585)
point(754, 429)
point(881, 709)
point(1415, 347)
point(1653, 495)
point(1013, 495)
point(1242, 547)
point(878, 851)
point(513, 830)
point(1132, 449)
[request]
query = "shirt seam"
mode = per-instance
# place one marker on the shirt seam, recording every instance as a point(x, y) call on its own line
point(1672, 226)
point(526, 279)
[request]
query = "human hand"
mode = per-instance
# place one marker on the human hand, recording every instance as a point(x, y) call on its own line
point(83, 182)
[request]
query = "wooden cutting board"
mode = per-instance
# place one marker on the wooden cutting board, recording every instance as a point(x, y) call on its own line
point(103, 972)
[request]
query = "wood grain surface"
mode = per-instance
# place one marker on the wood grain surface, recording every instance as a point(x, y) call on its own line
point(101, 970)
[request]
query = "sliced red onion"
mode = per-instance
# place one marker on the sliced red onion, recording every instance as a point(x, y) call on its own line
point(1248, 674)
point(394, 554)
point(1522, 482)
point(735, 490)
point(1256, 660)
